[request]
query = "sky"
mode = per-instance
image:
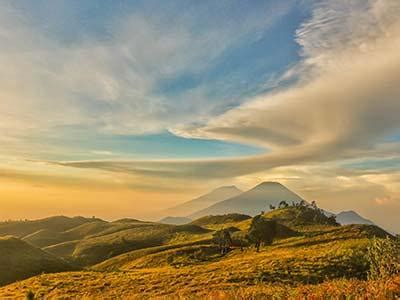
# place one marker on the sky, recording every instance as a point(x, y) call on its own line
point(124, 108)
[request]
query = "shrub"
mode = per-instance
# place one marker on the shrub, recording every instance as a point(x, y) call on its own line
point(261, 231)
point(223, 239)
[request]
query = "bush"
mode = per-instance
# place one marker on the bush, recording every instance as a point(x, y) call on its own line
point(261, 231)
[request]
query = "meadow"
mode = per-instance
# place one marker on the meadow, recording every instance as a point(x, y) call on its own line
point(318, 260)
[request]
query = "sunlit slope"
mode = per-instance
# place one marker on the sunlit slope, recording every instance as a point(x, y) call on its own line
point(327, 247)
point(53, 224)
point(313, 257)
point(163, 284)
point(99, 248)
point(49, 237)
point(20, 260)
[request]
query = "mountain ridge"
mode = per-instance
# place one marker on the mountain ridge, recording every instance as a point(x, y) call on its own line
point(203, 201)
point(253, 201)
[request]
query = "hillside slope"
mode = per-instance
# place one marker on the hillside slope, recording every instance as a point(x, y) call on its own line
point(98, 248)
point(20, 260)
point(53, 224)
point(315, 256)
point(251, 202)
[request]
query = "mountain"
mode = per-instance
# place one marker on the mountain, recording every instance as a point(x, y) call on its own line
point(351, 217)
point(175, 220)
point(251, 202)
point(189, 207)
point(20, 260)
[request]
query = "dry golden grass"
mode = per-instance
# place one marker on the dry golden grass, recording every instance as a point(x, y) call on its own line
point(167, 284)
point(320, 261)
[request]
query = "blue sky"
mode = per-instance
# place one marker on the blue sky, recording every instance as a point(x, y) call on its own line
point(188, 95)
point(262, 53)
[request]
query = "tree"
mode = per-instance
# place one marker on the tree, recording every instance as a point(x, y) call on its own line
point(223, 239)
point(314, 205)
point(271, 207)
point(283, 204)
point(262, 231)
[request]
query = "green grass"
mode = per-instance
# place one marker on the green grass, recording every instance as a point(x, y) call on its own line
point(220, 219)
point(96, 249)
point(20, 260)
point(143, 259)
point(55, 224)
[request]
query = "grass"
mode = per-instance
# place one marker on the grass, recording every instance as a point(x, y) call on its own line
point(56, 224)
point(20, 260)
point(161, 283)
point(149, 260)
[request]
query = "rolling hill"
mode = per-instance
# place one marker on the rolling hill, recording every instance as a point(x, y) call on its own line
point(52, 224)
point(97, 248)
point(251, 202)
point(320, 257)
point(20, 260)
point(189, 207)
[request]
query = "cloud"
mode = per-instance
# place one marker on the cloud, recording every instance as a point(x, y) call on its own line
point(110, 83)
point(331, 116)
point(333, 111)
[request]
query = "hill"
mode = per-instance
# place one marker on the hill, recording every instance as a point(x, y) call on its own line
point(53, 224)
point(189, 207)
point(296, 216)
point(329, 258)
point(97, 248)
point(351, 217)
point(20, 260)
point(226, 219)
point(175, 220)
point(251, 202)
point(130, 258)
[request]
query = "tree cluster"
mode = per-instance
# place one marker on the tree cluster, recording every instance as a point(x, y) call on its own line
point(262, 231)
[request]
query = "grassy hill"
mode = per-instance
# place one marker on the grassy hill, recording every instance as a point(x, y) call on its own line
point(310, 253)
point(148, 285)
point(20, 260)
point(226, 219)
point(318, 262)
point(53, 224)
point(98, 248)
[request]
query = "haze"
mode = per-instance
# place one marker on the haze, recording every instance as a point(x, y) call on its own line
point(125, 108)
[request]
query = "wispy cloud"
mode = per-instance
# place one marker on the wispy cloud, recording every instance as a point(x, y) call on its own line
point(110, 83)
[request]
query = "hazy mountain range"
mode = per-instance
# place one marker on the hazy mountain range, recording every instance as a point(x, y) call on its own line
point(230, 199)
point(204, 201)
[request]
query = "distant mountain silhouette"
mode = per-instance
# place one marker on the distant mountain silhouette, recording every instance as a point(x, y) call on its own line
point(351, 217)
point(251, 202)
point(175, 220)
point(203, 201)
